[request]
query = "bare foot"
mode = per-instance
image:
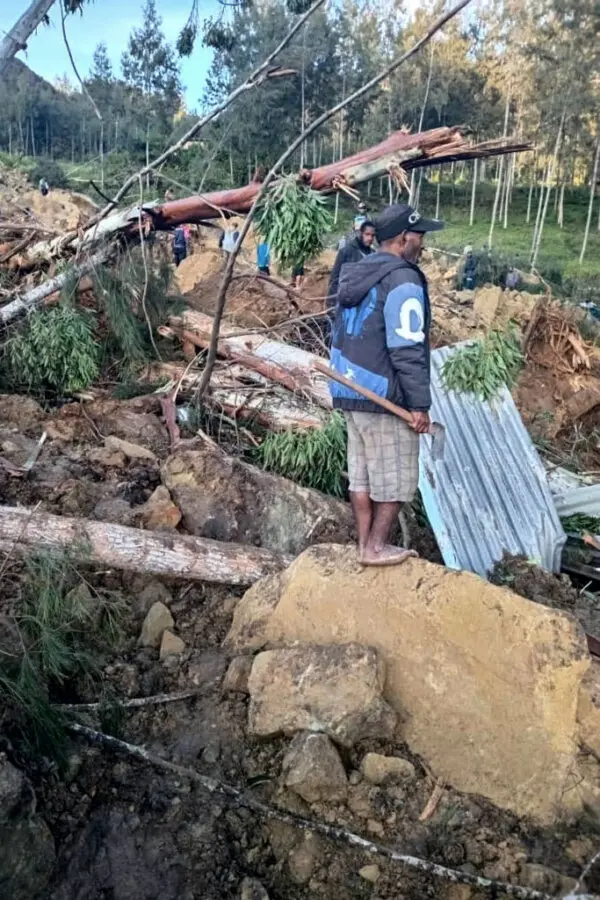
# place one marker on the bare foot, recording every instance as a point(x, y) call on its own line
point(387, 556)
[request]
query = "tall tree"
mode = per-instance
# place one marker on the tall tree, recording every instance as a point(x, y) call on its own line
point(151, 69)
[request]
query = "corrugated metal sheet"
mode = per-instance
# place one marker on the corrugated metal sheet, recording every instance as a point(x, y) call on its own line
point(584, 500)
point(489, 495)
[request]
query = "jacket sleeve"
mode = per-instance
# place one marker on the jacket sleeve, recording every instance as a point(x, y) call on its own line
point(405, 316)
point(334, 278)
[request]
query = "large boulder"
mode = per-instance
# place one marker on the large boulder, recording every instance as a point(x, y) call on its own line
point(336, 690)
point(228, 500)
point(486, 683)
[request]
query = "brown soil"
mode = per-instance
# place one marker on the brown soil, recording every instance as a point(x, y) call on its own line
point(125, 830)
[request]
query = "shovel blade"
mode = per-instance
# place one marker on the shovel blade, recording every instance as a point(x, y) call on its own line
point(438, 441)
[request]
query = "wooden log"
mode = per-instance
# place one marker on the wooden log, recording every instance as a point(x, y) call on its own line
point(243, 394)
point(277, 361)
point(24, 531)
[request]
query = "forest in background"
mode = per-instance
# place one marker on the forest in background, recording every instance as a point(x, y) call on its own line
point(525, 69)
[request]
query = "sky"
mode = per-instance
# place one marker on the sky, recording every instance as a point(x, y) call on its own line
point(110, 21)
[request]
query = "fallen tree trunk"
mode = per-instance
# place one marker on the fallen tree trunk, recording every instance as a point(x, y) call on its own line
point(400, 149)
point(275, 360)
point(23, 531)
point(242, 394)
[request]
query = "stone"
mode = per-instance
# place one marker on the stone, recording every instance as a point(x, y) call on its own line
point(332, 689)
point(375, 827)
point(379, 769)
point(237, 675)
point(370, 873)
point(115, 510)
point(104, 456)
point(487, 683)
point(588, 708)
point(170, 645)
point(12, 788)
point(252, 889)
point(303, 859)
point(159, 513)
point(228, 500)
point(313, 769)
point(154, 592)
point(546, 880)
point(359, 801)
point(128, 449)
point(81, 596)
point(27, 855)
point(157, 619)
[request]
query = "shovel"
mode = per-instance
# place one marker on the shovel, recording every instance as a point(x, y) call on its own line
point(437, 431)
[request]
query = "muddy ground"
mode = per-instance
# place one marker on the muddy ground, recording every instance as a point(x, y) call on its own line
point(129, 832)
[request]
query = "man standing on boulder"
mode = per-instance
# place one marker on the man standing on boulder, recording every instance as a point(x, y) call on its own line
point(381, 341)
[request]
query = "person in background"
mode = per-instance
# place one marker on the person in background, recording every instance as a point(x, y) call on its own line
point(468, 279)
point(229, 242)
point(298, 275)
point(263, 258)
point(352, 251)
point(44, 187)
point(513, 279)
point(360, 217)
point(188, 238)
point(381, 341)
point(169, 195)
point(179, 245)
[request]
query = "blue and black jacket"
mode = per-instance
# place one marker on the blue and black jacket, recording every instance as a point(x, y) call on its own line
point(381, 334)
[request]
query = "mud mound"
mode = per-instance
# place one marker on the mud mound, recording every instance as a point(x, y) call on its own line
point(59, 211)
point(198, 267)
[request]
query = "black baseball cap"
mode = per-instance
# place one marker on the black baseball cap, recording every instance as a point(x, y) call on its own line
point(402, 217)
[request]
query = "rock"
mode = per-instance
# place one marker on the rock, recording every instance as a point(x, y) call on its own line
point(115, 510)
point(131, 451)
point(375, 827)
point(379, 769)
point(252, 889)
point(313, 769)
point(359, 801)
point(20, 411)
point(26, 846)
point(370, 873)
point(170, 645)
point(303, 859)
point(225, 499)
point(82, 597)
point(12, 788)
point(107, 457)
point(546, 880)
point(154, 592)
point(333, 689)
point(156, 621)
point(588, 708)
point(159, 513)
point(497, 722)
point(236, 677)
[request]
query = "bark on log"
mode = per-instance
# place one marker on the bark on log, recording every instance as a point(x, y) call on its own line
point(23, 531)
point(243, 394)
point(279, 362)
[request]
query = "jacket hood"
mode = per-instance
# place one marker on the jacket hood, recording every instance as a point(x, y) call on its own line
point(358, 278)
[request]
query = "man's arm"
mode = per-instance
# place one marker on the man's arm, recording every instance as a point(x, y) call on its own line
point(405, 316)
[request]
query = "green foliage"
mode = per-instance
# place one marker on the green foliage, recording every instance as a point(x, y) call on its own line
point(314, 457)
point(579, 522)
point(54, 350)
point(124, 290)
point(56, 639)
point(292, 220)
point(485, 366)
point(49, 169)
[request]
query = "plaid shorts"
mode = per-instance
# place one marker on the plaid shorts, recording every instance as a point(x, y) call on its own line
point(383, 457)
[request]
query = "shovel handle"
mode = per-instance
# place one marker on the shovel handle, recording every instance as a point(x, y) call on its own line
point(365, 392)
